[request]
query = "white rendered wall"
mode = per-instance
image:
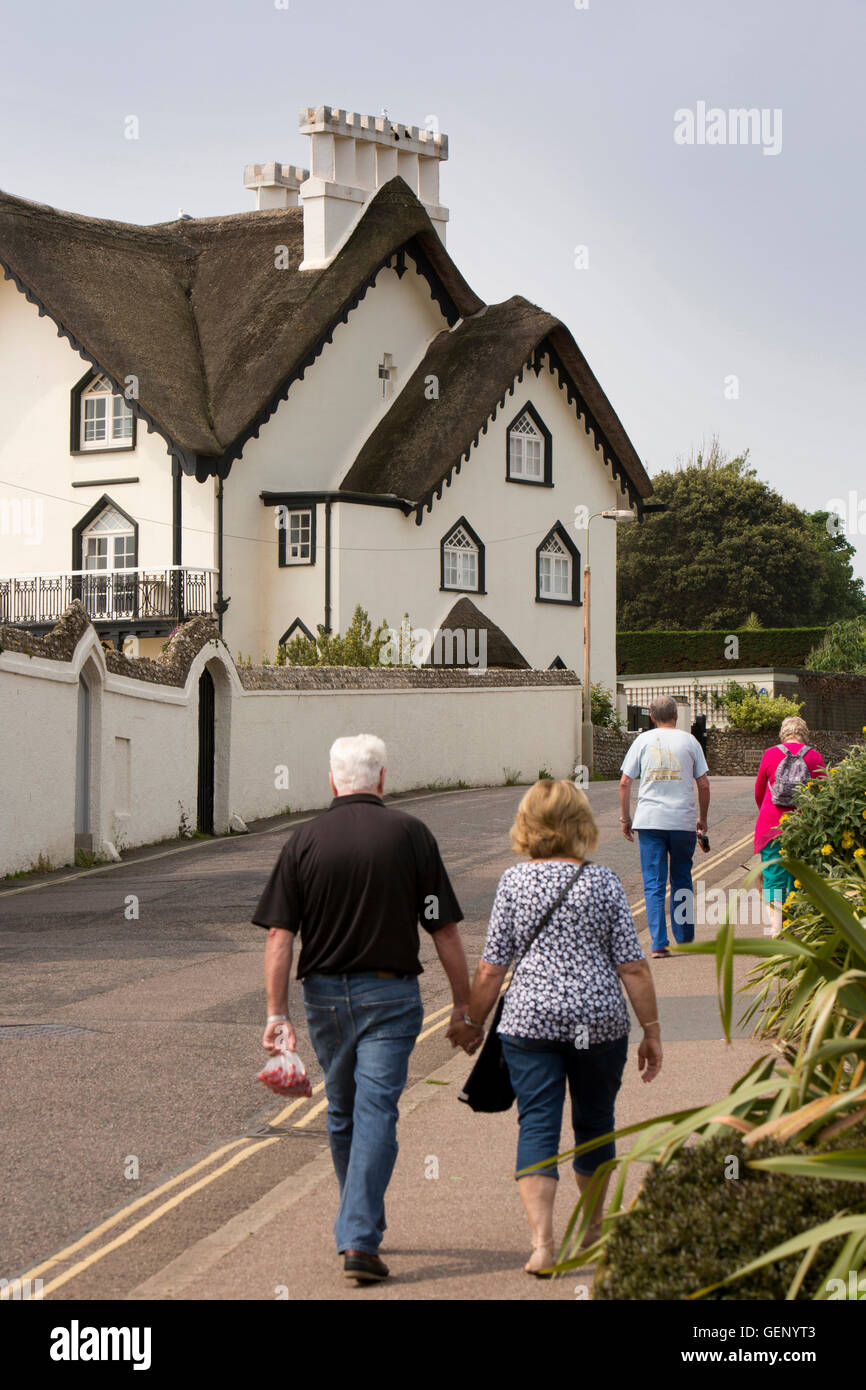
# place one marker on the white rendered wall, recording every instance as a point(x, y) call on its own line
point(39, 370)
point(391, 566)
point(145, 747)
point(308, 445)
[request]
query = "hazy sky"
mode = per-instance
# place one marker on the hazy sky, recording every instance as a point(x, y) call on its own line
point(706, 261)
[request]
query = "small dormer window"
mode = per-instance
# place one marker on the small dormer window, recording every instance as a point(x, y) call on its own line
point(462, 559)
point(529, 449)
point(103, 417)
point(557, 572)
point(297, 535)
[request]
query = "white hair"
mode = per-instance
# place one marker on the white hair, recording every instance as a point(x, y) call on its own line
point(356, 763)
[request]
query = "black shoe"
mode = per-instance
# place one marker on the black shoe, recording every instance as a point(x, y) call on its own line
point(367, 1269)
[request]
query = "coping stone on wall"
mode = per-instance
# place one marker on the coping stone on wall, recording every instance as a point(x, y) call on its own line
point(172, 666)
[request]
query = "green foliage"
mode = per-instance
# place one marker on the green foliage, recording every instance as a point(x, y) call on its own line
point(642, 652)
point(751, 712)
point(545, 774)
point(842, 648)
point(512, 776)
point(810, 1092)
point(603, 710)
point(830, 811)
point(730, 546)
point(702, 1217)
point(359, 646)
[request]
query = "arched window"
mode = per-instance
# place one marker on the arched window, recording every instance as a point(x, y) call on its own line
point(101, 417)
point(462, 559)
point(557, 568)
point(108, 543)
point(529, 449)
point(104, 542)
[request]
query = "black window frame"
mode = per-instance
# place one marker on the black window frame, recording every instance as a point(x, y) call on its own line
point(75, 419)
point(575, 601)
point(479, 544)
point(546, 480)
point(95, 511)
point(283, 562)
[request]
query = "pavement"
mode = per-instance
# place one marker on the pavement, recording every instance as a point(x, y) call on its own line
point(235, 1195)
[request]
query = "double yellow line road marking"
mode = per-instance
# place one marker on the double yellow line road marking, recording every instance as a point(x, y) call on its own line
point(240, 1150)
point(173, 1202)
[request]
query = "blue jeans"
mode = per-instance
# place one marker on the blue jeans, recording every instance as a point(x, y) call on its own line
point(363, 1030)
point(657, 847)
point(539, 1070)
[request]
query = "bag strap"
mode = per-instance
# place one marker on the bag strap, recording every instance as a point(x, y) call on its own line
point(545, 919)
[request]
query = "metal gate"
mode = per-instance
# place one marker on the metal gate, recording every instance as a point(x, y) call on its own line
point(206, 744)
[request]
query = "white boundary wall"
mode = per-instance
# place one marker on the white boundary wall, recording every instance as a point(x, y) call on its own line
point(144, 745)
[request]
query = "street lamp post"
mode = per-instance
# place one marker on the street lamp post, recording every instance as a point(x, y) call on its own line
point(610, 514)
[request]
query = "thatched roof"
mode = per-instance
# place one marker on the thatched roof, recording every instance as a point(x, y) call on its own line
point(466, 617)
point(197, 310)
point(420, 440)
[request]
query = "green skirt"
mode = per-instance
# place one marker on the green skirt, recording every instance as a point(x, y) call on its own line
point(778, 883)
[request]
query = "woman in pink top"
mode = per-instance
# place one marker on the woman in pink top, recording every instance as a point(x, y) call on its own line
point(778, 883)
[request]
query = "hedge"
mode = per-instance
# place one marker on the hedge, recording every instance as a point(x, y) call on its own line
point(642, 652)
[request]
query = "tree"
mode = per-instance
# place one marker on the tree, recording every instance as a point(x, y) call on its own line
point(729, 549)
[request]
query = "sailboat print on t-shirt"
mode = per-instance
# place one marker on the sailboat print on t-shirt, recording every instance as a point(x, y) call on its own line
point(663, 765)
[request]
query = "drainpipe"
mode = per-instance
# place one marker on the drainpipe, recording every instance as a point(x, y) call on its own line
point(221, 604)
point(327, 567)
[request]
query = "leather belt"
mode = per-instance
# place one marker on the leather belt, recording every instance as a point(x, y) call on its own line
point(387, 974)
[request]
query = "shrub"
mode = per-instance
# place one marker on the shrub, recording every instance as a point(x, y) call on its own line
point(692, 1226)
point(753, 713)
point(602, 707)
point(843, 648)
point(829, 811)
point(360, 646)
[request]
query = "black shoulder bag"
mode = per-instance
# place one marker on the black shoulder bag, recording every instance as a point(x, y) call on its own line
point(488, 1087)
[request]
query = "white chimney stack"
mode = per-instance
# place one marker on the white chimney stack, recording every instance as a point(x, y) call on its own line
point(275, 185)
point(351, 157)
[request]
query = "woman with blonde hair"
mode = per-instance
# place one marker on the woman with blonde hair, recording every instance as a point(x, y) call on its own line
point(564, 1020)
point(788, 764)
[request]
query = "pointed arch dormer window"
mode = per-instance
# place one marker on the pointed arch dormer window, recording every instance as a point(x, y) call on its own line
point(462, 559)
point(557, 568)
point(102, 417)
point(530, 449)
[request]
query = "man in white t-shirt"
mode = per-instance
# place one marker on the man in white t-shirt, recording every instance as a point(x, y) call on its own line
point(668, 762)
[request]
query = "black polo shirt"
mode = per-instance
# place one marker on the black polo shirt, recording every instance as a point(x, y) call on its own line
point(355, 882)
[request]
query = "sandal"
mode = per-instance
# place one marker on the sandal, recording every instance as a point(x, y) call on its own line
point(661, 955)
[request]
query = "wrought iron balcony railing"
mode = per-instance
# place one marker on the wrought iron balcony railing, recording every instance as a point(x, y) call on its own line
point(174, 593)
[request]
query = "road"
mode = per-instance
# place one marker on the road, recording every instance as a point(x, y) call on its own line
point(130, 1025)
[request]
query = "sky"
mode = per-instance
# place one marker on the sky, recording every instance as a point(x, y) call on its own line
point(721, 285)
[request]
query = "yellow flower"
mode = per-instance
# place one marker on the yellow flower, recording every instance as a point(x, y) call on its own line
point(786, 816)
point(792, 897)
point(826, 849)
point(797, 883)
point(859, 853)
point(847, 840)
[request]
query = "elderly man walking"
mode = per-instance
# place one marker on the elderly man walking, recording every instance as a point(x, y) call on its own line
point(354, 883)
point(668, 762)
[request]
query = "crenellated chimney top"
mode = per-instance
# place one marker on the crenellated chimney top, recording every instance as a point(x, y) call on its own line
point(275, 185)
point(351, 157)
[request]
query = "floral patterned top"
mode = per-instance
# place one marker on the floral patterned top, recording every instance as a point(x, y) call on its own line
point(566, 988)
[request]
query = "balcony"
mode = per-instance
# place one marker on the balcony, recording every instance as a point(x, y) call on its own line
point(142, 602)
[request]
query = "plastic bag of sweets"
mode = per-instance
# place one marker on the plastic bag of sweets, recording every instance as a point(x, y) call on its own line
point(286, 1075)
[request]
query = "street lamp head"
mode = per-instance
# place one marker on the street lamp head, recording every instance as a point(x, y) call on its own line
point(612, 514)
